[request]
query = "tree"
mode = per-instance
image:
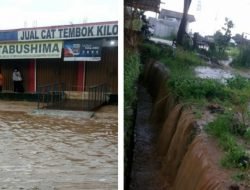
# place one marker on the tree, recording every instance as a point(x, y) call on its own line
point(228, 26)
point(222, 40)
point(182, 28)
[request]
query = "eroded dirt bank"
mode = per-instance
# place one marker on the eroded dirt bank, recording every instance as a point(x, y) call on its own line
point(171, 152)
point(44, 152)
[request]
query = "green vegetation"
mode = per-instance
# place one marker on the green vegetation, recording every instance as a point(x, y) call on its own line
point(182, 60)
point(233, 51)
point(131, 74)
point(189, 88)
point(224, 130)
point(178, 61)
point(247, 134)
point(242, 58)
point(221, 40)
point(239, 176)
point(150, 51)
point(219, 47)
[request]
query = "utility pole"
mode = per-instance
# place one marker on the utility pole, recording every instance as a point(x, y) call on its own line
point(198, 8)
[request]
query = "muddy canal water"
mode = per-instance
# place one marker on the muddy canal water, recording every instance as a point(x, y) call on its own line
point(44, 152)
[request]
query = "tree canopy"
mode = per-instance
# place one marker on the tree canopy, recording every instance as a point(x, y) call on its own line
point(222, 40)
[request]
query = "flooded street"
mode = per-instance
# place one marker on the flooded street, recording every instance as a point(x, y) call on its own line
point(44, 152)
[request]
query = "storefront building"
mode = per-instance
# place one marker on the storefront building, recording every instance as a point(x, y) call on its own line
point(78, 55)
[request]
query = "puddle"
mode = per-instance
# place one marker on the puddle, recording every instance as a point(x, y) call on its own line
point(41, 152)
point(206, 72)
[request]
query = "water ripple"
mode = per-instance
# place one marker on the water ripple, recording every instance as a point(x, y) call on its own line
point(38, 152)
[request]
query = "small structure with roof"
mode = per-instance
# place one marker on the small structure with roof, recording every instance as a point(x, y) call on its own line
point(168, 22)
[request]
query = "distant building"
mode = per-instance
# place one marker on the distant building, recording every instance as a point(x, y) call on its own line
point(168, 23)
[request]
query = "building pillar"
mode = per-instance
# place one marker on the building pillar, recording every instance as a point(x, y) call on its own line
point(81, 76)
point(32, 76)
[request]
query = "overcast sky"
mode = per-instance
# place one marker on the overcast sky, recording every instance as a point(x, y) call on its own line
point(30, 13)
point(210, 14)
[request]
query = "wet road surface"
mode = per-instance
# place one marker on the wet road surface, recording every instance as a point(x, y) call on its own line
point(41, 152)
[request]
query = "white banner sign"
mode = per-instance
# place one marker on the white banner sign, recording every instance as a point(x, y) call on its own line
point(69, 32)
point(22, 50)
point(82, 50)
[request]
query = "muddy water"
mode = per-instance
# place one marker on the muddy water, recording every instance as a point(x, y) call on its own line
point(41, 152)
point(213, 73)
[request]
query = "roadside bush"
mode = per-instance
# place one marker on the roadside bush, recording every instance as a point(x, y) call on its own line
point(239, 176)
point(152, 51)
point(219, 127)
point(243, 58)
point(181, 64)
point(238, 82)
point(247, 134)
point(233, 158)
point(184, 57)
point(233, 51)
point(188, 57)
point(131, 73)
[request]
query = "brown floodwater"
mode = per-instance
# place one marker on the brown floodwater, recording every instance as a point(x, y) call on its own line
point(44, 152)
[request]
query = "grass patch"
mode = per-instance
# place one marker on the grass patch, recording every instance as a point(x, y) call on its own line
point(131, 74)
point(182, 63)
point(191, 88)
point(221, 128)
point(238, 177)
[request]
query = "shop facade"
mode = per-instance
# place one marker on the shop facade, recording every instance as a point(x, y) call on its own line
point(78, 56)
